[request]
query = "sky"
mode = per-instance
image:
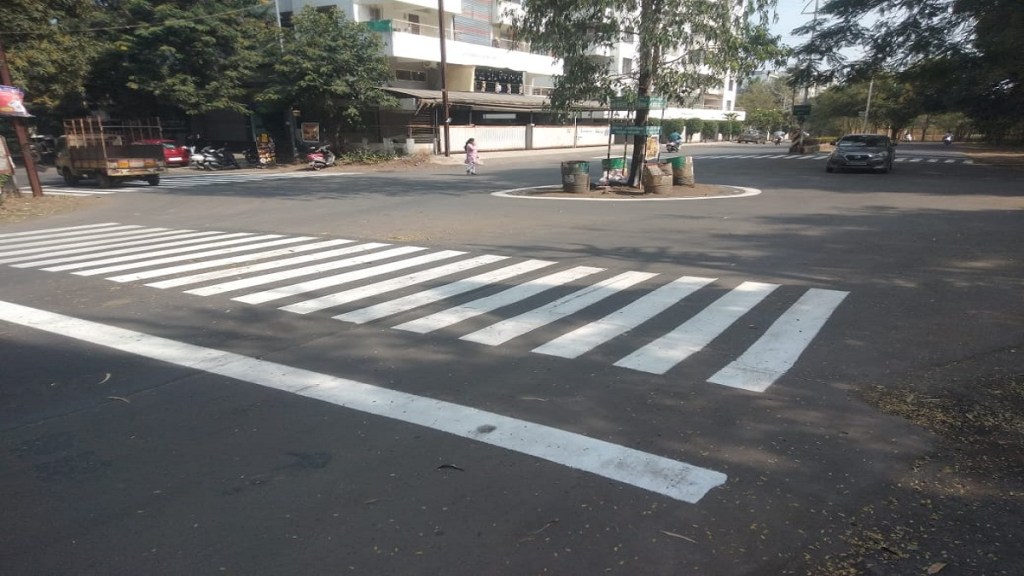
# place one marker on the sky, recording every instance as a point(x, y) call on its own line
point(792, 13)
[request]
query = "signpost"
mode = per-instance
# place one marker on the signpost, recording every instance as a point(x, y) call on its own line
point(801, 111)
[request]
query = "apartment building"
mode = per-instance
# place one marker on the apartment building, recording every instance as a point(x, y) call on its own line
point(491, 79)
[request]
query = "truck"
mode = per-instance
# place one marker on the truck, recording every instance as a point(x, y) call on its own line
point(110, 151)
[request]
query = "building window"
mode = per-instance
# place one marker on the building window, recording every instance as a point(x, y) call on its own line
point(732, 85)
point(411, 75)
point(627, 65)
point(728, 105)
point(375, 13)
point(414, 23)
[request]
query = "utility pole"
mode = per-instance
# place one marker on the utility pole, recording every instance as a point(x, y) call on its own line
point(867, 109)
point(291, 113)
point(19, 129)
point(444, 79)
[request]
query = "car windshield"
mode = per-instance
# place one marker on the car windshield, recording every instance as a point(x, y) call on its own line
point(862, 141)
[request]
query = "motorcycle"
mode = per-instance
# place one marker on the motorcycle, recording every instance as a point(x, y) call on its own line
point(216, 159)
point(321, 157)
point(947, 139)
point(197, 158)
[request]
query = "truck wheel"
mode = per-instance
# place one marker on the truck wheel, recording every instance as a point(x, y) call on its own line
point(69, 177)
point(153, 180)
point(104, 180)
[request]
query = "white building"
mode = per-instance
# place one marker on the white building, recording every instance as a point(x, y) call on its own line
point(491, 79)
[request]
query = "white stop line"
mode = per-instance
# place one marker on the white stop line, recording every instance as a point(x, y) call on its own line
point(671, 478)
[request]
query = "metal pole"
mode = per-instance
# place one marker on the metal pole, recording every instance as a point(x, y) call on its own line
point(867, 109)
point(444, 79)
point(19, 129)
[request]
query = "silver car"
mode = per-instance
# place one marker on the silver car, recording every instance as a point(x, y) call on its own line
point(862, 152)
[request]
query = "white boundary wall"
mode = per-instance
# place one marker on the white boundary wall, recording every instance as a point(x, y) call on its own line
point(527, 137)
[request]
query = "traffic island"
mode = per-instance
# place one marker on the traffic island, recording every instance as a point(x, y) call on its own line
point(631, 193)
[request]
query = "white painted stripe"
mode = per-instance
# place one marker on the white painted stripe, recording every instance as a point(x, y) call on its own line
point(48, 231)
point(133, 247)
point(779, 348)
point(916, 159)
point(186, 246)
point(172, 259)
point(586, 338)
point(364, 315)
point(504, 298)
point(306, 270)
point(671, 478)
point(136, 276)
point(821, 156)
point(790, 157)
point(116, 232)
point(933, 160)
point(506, 330)
point(968, 161)
point(900, 159)
point(195, 250)
point(949, 161)
point(339, 279)
point(777, 156)
point(80, 191)
point(240, 270)
point(662, 354)
point(383, 287)
point(80, 247)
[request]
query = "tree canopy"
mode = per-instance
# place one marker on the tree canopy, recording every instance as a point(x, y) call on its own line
point(683, 47)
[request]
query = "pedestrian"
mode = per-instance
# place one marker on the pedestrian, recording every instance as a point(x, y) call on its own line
point(472, 156)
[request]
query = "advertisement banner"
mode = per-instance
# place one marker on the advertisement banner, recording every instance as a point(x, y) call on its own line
point(310, 131)
point(12, 102)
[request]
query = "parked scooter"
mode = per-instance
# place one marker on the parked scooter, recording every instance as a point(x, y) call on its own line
point(210, 158)
point(321, 157)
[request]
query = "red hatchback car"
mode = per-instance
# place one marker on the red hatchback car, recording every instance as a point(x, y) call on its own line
point(174, 155)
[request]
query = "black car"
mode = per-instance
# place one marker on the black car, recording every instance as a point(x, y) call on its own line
point(862, 152)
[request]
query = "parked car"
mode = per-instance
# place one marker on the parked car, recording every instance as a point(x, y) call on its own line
point(174, 154)
point(754, 136)
point(862, 152)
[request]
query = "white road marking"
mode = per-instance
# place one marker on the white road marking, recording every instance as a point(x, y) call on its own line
point(778, 349)
point(339, 279)
point(671, 478)
point(385, 286)
point(192, 267)
point(49, 231)
point(503, 331)
point(662, 354)
point(179, 258)
point(307, 270)
point(250, 268)
point(364, 315)
point(504, 298)
point(135, 260)
point(76, 247)
point(182, 246)
point(115, 233)
point(586, 338)
point(133, 247)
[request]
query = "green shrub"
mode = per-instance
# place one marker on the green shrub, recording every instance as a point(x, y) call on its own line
point(366, 156)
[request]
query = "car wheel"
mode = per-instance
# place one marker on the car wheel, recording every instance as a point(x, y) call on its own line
point(69, 178)
point(153, 180)
point(829, 168)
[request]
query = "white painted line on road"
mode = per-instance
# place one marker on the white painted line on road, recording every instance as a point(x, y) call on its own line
point(77, 247)
point(391, 307)
point(385, 286)
point(250, 268)
point(916, 159)
point(586, 338)
point(662, 354)
point(183, 246)
point(49, 231)
point(345, 278)
point(135, 260)
point(133, 247)
point(307, 270)
point(671, 478)
point(949, 161)
point(115, 233)
point(501, 332)
point(193, 266)
point(780, 347)
point(488, 303)
point(517, 193)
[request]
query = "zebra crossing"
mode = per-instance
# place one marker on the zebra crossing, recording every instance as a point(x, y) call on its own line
point(820, 156)
point(437, 290)
point(190, 181)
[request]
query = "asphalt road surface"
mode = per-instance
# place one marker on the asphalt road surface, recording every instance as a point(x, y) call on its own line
point(402, 373)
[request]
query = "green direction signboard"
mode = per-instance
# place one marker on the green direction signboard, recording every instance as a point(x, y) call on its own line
point(636, 130)
point(801, 110)
point(644, 103)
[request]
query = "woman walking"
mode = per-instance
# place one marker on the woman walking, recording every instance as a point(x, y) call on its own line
point(472, 156)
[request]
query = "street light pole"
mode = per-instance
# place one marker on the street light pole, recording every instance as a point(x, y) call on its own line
point(19, 129)
point(291, 113)
point(444, 79)
point(867, 109)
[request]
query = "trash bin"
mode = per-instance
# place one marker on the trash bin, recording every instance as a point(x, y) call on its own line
point(576, 176)
point(682, 170)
